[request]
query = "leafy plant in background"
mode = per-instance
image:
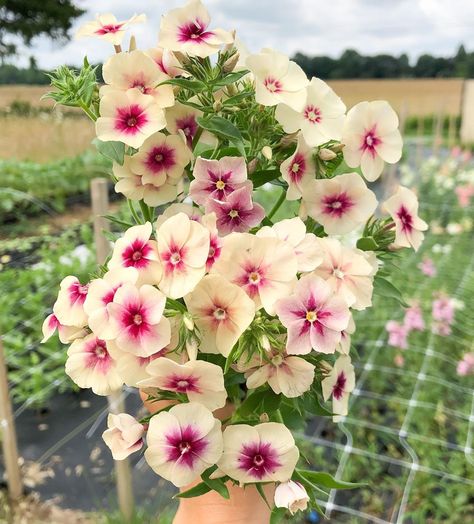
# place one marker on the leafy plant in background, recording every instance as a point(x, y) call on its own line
point(216, 305)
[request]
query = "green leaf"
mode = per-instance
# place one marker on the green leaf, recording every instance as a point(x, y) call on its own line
point(321, 478)
point(259, 178)
point(224, 128)
point(215, 484)
point(236, 99)
point(113, 150)
point(367, 244)
point(231, 78)
point(271, 401)
point(261, 492)
point(251, 403)
point(195, 86)
point(196, 491)
point(386, 289)
point(116, 220)
point(277, 515)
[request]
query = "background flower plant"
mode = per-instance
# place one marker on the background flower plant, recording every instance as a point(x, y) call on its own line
point(222, 294)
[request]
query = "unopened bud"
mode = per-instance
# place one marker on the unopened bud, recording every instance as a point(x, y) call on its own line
point(264, 417)
point(230, 63)
point(192, 348)
point(181, 57)
point(327, 154)
point(267, 152)
point(251, 166)
point(229, 47)
point(217, 106)
point(337, 148)
point(265, 343)
point(303, 213)
point(287, 140)
point(133, 43)
point(188, 321)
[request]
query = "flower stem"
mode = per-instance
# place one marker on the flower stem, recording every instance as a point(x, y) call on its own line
point(277, 205)
point(134, 213)
point(196, 138)
point(87, 111)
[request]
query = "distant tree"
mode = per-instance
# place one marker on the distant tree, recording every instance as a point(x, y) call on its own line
point(25, 19)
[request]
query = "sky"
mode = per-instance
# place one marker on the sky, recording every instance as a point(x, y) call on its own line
point(315, 27)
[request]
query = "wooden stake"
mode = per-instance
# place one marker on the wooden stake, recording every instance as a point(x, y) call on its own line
point(8, 432)
point(100, 206)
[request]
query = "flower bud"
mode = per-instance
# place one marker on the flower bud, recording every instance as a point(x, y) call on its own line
point(337, 148)
point(192, 348)
point(327, 154)
point(188, 321)
point(217, 106)
point(230, 63)
point(287, 140)
point(264, 418)
point(133, 43)
point(267, 152)
point(292, 496)
point(251, 166)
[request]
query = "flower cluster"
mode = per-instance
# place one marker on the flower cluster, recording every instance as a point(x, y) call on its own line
point(228, 320)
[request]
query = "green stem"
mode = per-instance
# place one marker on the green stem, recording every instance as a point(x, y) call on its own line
point(196, 138)
point(134, 213)
point(87, 111)
point(146, 212)
point(277, 205)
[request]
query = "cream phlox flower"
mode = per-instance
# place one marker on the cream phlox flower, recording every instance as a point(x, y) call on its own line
point(183, 442)
point(339, 383)
point(222, 312)
point(136, 70)
point(162, 158)
point(69, 306)
point(166, 61)
point(107, 27)
point(277, 79)
point(129, 117)
point(370, 137)
point(349, 273)
point(291, 376)
point(262, 453)
point(313, 315)
point(186, 29)
point(136, 249)
point(90, 365)
point(209, 221)
point(200, 381)
point(102, 292)
point(66, 333)
point(183, 248)
point(339, 204)
point(305, 245)
point(265, 268)
point(344, 346)
point(136, 316)
point(124, 435)
point(298, 169)
point(292, 496)
point(403, 208)
point(321, 117)
point(192, 212)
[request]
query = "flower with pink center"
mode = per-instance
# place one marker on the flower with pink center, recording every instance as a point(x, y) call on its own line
point(348, 272)
point(66, 333)
point(340, 204)
point(134, 188)
point(136, 316)
point(183, 442)
point(338, 384)
point(262, 453)
point(305, 245)
point(414, 318)
point(277, 79)
point(427, 267)
point(129, 117)
point(136, 70)
point(186, 29)
point(344, 346)
point(222, 311)
point(397, 334)
point(466, 365)
point(292, 496)
point(90, 365)
point(162, 158)
point(371, 137)
point(298, 170)
point(69, 306)
point(238, 213)
point(209, 221)
point(136, 249)
point(320, 118)
point(200, 381)
point(181, 118)
point(101, 293)
point(108, 28)
point(183, 248)
point(217, 179)
point(314, 317)
point(464, 194)
point(192, 212)
point(265, 268)
point(123, 436)
point(403, 208)
point(166, 61)
point(291, 376)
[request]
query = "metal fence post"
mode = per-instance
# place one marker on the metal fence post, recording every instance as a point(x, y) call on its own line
point(100, 205)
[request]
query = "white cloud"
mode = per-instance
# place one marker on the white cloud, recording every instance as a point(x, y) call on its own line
point(310, 26)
